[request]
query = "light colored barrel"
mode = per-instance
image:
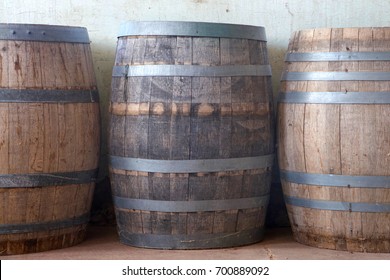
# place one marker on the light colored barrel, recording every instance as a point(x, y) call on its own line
point(334, 138)
point(49, 136)
point(191, 134)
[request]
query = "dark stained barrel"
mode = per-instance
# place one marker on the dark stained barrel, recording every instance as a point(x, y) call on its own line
point(49, 136)
point(191, 134)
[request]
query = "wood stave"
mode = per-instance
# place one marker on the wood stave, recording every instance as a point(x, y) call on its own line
point(181, 105)
point(47, 137)
point(341, 230)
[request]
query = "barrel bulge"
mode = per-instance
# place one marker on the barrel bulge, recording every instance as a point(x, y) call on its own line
point(49, 136)
point(333, 135)
point(190, 108)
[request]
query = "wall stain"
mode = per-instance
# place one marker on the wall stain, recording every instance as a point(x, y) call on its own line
point(288, 9)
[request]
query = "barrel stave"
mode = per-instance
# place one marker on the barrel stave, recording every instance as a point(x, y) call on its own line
point(49, 119)
point(188, 116)
point(337, 138)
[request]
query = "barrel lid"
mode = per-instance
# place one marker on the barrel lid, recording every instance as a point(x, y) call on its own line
point(44, 33)
point(196, 29)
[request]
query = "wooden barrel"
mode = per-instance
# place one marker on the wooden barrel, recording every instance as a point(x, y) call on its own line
point(49, 136)
point(191, 134)
point(334, 138)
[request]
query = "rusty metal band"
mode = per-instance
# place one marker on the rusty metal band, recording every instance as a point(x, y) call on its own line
point(335, 76)
point(338, 205)
point(190, 206)
point(335, 97)
point(338, 56)
point(333, 180)
point(191, 166)
point(43, 226)
point(43, 33)
point(47, 179)
point(191, 70)
point(48, 96)
point(191, 241)
point(196, 29)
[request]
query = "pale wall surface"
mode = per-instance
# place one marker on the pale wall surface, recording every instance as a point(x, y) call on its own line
point(279, 17)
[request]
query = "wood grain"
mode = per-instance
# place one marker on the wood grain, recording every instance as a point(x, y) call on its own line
point(343, 139)
point(182, 118)
point(40, 138)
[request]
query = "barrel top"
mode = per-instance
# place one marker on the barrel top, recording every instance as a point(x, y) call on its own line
point(196, 29)
point(324, 30)
point(344, 28)
point(44, 33)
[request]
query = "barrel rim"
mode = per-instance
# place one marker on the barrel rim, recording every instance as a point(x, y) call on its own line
point(193, 240)
point(336, 205)
point(335, 180)
point(335, 76)
point(191, 70)
point(191, 166)
point(191, 28)
point(314, 56)
point(9, 95)
point(44, 33)
point(341, 28)
point(178, 206)
point(44, 226)
point(28, 180)
point(334, 97)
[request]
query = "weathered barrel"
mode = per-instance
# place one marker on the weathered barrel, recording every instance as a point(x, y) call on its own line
point(49, 136)
point(334, 138)
point(191, 134)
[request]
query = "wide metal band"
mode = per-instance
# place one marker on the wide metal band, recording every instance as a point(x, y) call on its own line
point(333, 180)
point(338, 56)
point(48, 96)
point(47, 179)
point(191, 166)
point(44, 226)
point(190, 206)
point(335, 97)
point(196, 29)
point(44, 33)
point(335, 76)
point(337, 205)
point(191, 70)
point(192, 241)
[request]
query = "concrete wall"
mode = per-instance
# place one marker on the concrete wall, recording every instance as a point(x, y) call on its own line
point(279, 17)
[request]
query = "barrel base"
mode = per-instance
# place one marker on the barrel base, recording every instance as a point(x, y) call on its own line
point(14, 244)
point(342, 243)
point(194, 241)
